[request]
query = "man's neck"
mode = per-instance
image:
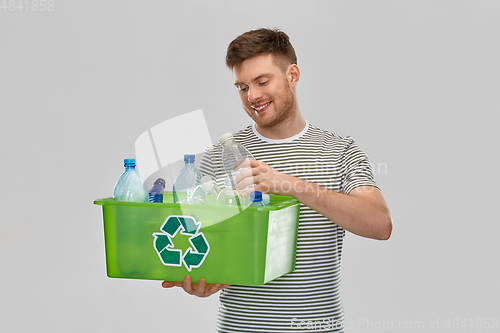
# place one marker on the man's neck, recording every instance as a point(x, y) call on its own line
point(286, 129)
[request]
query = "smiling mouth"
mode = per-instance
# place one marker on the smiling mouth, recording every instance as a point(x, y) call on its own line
point(261, 108)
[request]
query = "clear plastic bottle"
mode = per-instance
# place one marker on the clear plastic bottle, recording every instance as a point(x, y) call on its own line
point(233, 152)
point(186, 181)
point(156, 192)
point(230, 196)
point(129, 185)
point(206, 193)
point(256, 199)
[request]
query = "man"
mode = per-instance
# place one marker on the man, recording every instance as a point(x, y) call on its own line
point(329, 174)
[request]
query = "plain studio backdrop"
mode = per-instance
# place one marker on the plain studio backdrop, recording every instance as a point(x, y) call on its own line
point(416, 83)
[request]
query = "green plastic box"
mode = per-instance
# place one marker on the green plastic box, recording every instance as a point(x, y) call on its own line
point(167, 241)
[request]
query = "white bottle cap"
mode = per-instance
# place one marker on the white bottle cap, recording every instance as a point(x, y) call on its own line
point(224, 137)
point(206, 183)
point(266, 200)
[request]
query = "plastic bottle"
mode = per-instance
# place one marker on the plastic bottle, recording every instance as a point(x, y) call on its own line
point(256, 199)
point(230, 196)
point(186, 181)
point(129, 185)
point(156, 192)
point(206, 193)
point(232, 152)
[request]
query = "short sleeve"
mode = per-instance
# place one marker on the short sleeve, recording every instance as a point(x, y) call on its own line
point(358, 170)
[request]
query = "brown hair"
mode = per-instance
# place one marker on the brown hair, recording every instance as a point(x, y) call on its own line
point(261, 42)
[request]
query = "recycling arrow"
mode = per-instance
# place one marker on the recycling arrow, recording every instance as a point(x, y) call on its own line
point(189, 224)
point(164, 245)
point(192, 259)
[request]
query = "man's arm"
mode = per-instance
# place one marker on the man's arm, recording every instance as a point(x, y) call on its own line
point(363, 211)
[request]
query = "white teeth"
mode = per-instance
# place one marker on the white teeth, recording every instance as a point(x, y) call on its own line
point(260, 107)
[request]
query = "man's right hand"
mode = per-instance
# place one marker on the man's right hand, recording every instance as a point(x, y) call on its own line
point(200, 289)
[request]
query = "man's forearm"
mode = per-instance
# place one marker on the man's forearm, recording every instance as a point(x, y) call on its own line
point(363, 211)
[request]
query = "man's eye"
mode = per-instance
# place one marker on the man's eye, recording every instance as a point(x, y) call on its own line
point(263, 83)
point(243, 89)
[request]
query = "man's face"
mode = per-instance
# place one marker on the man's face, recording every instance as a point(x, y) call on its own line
point(264, 90)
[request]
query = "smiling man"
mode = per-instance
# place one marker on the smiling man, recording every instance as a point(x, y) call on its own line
point(267, 96)
point(329, 174)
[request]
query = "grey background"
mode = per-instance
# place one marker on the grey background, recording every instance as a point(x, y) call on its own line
point(416, 83)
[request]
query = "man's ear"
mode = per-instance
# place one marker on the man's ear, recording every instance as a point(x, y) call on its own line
point(293, 75)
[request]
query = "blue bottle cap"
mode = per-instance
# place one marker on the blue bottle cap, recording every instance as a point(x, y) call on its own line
point(160, 181)
point(129, 162)
point(256, 196)
point(189, 158)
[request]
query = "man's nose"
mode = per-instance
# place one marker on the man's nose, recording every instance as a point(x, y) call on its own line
point(254, 94)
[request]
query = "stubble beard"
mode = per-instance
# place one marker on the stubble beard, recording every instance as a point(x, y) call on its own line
point(282, 110)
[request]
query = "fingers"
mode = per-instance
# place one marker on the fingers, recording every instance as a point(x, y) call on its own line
point(223, 286)
point(196, 289)
point(186, 285)
point(217, 287)
point(247, 162)
point(258, 172)
point(200, 289)
point(244, 178)
point(170, 284)
point(246, 182)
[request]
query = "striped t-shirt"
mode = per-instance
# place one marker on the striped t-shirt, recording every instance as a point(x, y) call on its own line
point(307, 299)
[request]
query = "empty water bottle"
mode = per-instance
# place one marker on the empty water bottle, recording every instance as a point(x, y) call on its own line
point(187, 180)
point(256, 199)
point(206, 193)
point(230, 196)
point(156, 192)
point(233, 152)
point(129, 185)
